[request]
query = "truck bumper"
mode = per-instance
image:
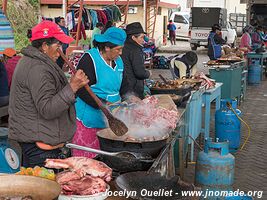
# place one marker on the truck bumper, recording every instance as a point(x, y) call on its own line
point(198, 43)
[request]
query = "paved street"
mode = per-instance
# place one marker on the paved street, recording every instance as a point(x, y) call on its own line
point(180, 47)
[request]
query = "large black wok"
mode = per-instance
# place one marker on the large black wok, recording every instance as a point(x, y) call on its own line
point(112, 143)
point(142, 182)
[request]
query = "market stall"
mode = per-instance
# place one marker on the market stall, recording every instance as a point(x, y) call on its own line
point(231, 70)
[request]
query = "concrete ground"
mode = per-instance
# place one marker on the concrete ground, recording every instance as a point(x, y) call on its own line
point(251, 162)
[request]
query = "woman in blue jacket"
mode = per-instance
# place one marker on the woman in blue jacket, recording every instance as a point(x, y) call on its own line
point(215, 42)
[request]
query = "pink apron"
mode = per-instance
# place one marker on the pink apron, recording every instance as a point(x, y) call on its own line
point(86, 137)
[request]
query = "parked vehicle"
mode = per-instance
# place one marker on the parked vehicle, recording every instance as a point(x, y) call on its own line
point(239, 21)
point(181, 19)
point(201, 21)
point(256, 12)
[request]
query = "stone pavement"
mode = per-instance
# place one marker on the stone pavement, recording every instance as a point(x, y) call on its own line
point(251, 162)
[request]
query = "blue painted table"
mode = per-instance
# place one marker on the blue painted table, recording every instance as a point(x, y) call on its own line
point(208, 97)
point(260, 56)
point(194, 117)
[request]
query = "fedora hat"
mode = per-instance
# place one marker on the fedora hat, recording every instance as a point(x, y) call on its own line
point(134, 28)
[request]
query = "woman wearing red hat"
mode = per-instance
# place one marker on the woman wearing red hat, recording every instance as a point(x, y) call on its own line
point(41, 106)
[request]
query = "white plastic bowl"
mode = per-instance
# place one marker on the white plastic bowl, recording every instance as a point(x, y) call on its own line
point(98, 196)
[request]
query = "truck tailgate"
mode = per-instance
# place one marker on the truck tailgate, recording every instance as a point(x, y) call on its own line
point(199, 34)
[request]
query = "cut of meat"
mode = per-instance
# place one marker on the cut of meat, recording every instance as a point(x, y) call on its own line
point(82, 166)
point(150, 114)
point(84, 186)
point(66, 176)
point(147, 120)
point(84, 177)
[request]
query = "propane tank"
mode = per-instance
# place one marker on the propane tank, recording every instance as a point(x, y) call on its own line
point(215, 168)
point(227, 125)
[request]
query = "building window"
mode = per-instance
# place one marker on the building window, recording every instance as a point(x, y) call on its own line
point(178, 19)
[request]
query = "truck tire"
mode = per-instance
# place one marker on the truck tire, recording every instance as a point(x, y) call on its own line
point(194, 48)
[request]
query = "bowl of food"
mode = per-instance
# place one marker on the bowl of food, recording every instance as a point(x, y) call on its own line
point(98, 196)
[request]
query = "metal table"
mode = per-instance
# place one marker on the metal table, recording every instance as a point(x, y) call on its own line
point(194, 109)
point(260, 56)
point(231, 76)
point(208, 97)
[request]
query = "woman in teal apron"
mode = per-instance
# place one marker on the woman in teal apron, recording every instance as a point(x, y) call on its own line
point(104, 67)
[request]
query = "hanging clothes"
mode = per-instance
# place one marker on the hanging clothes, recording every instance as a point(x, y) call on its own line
point(89, 19)
point(109, 17)
point(116, 13)
point(85, 19)
point(101, 16)
point(69, 20)
point(82, 31)
point(94, 17)
point(110, 12)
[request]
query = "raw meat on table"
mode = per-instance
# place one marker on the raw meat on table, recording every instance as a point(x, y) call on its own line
point(86, 185)
point(84, 176)
point(82, 166)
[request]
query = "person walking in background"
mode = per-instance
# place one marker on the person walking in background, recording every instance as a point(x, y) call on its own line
point(97, 30)
point(62, 24)
point(172, 29)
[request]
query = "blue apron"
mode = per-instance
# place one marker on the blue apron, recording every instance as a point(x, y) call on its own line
point(217, 49)
point(107, 87)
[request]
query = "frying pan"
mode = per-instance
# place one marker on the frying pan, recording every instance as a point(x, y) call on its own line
point(22, 185)
point(141, 182)
point(112, 143)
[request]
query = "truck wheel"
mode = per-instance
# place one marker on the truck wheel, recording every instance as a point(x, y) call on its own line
point(194, 47)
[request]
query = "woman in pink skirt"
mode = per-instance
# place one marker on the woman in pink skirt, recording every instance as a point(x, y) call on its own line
point(104, 67)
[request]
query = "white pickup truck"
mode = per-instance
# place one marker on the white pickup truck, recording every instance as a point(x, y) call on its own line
point(201, 27)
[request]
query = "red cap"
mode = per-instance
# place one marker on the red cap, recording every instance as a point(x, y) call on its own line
point(48, 29)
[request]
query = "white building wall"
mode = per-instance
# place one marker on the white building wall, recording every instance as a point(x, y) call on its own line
point(235, 7)
point(210, 3)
